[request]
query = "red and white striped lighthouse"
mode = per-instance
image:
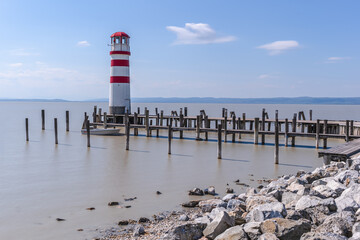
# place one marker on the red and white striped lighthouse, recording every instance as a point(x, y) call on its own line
point(119, 100)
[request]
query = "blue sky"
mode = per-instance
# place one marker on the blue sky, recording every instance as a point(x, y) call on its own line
point(59, 49)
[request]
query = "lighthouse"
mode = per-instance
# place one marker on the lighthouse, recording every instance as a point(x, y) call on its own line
point(119, 97)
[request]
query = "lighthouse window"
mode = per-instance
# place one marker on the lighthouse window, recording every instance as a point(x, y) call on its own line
point(123, 40)
point(117, 40)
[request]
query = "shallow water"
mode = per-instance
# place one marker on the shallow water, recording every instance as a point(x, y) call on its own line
point(41, 181)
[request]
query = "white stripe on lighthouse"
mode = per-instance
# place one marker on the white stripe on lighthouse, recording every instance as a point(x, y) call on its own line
point(119, 71)
point(120, 56)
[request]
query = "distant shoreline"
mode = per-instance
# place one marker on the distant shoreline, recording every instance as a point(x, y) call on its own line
point(278, 100)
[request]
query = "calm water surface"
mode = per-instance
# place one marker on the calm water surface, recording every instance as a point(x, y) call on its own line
point(40, 181)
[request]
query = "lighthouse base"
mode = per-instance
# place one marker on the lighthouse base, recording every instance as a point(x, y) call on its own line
point(117, 110)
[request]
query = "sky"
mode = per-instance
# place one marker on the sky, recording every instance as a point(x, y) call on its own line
point(234, 49)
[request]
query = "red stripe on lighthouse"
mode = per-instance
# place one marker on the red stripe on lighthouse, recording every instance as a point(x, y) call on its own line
point(119, 63)
point(120, 52)
point(119, 79)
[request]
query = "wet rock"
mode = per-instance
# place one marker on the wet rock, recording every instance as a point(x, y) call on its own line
point(143, 220)
point(123, 222)
point(158, 192)
point(221, 222)
point(286, 228)
point(210, 191)
point(196, 192)
point(80, 230)
point(228, 197)
point(266, 211)
point(191, 204)
point(252, 229)
point(322, 236)
point(233, 233)
point(60, 219)
point(188, 231)
point(90, 208)
point(127, 206)
point(138, 230)
point(184, 217)
point(113, 203)
point(129, 199)
point(229, 190)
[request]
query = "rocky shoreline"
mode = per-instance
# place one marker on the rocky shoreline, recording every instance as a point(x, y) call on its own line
point(318, 205)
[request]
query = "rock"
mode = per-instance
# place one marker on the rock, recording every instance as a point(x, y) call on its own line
point(277, 194)
point(143, 220)
point(306, 202)
point(80, 230)
point(208, 205)
point(238, 215)
point(130, 199)
point(229, 197)
point(235, 203)
point(184, 217)
point(221, 222)
point(203, 220)
point(253, 201)
point(233, 233)
point(346, 204)
point(90, 208)
point(293, 215)
point(341, 177)
point(337, 225)
point(113, 203)
point(336, 186)
point(60, 219)
point(323, 191)
point(210, 191)
point(268, 236)
point(128, 206)
point(191, 204)
point(251, 191)
point(286, 228)
point(188, 231)
point(196, 192)
point(138, 230)
point(290, 198)
point(252, 229)
point(322, 236)
point(266, 211)
point(123, 222)
point(295, 187)
point(229, 190)
point(158, 192)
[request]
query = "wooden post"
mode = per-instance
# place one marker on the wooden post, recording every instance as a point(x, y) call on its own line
point(88, 132)
point(100, 115)
point(169, 138)
point(105, 120)
point(219, 142)
point(157, 124)
point(244, 121)
point(351, 127)
point(198, 127)
point(225, 126)
point(156, 111)
point(94, 113)
point(161, 117)
point(263, 126)
point(114, 118)
point(138, 110)
point(136, 131)
point(293, 125)
point(43, 119)
point(233, 127)
point(347, 132)
point(256, 131)
point(67, 120)
point(56, 130)
point(276, 153)
point(325, 132)
point(207, 125)
point(286, 137)
point(239, 126)
point(185, 111)
point(147, 127)
point(27, 129)
point(317, 133)
point(127, 129)
point(310, 115)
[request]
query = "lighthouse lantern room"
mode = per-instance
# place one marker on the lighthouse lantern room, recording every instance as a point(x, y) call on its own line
point(119, 97)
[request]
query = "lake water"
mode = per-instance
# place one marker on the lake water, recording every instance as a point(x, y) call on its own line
point(41, 181)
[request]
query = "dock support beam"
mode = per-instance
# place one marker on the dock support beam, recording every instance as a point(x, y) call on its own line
point(317, 136)
point(325, 132)
point(88, 133)
point(286, 137)
point(263, 126)
point(27, 129)
point(219, 142)
point(276, 153)
point(67, 120)
point(256, 131)
point(42, 119)
point(56, 131)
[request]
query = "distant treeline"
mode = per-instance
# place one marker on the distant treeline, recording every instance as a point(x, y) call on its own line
point(279, 100)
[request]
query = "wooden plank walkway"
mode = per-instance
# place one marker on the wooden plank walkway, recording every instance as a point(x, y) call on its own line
point(341, 152)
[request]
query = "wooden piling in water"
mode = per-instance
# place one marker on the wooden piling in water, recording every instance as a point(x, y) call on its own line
point(256, 131)
point(157, 123)
point(347, 131)
point(169, 138)
point(219, 141)
point(263, 126)
point(127, 135)
point(56, 130)
point(94, 113)
point(185, 111)
point(352, 127)
point(233, 127)
point(317, 136)
point(286, 137)
point(43, 119)
point(310, 115)
point(147, 123)
point(276, 152)
point(207, 125)
point(293, 125)
point(325, 132)
point(88, 133)
point(67, 120)
point(105, 120)
point(27, 129)
point(136, 131)
point(198, 127)
point(225, 126)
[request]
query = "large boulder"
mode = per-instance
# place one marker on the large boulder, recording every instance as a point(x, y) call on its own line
point(322, 236)
point(235, 203)
point(210, 204)
point(349, 199)
point(286, 228)
point(239, 215)
point(252, 229)
point(314, 208)
point(196, 192)
point(188, 231)
point(289, 199)
point(337, 225)
point(266, 211)
point(221, 222)
point(323, 191)
point(253, 201)
point(210, 191)
point(342, 176)
point(233, 233)
point(229, 196)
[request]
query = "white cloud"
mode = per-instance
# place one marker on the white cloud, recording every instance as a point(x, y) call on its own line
point(197, 33)
point(83, 44)
point(22, 52)
point(15, 64)
point(336, 59)
point(268, 76)
point(278, 47)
